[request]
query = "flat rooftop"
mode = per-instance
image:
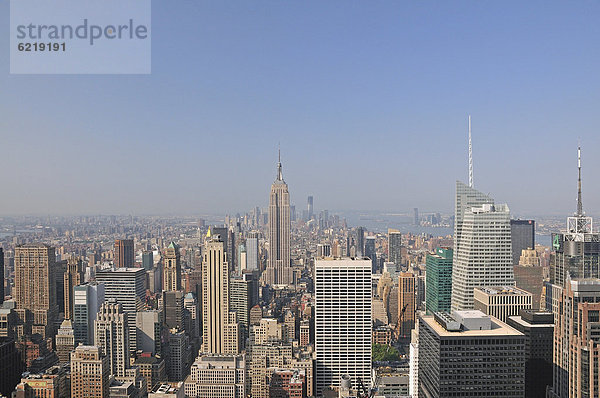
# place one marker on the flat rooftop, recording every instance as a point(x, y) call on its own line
point(503, 290)
point(498, 328)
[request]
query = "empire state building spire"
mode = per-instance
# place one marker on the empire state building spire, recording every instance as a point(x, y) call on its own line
point(279, 173)
point(579, 203)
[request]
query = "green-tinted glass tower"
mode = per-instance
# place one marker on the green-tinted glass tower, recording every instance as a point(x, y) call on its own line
point(438, 281)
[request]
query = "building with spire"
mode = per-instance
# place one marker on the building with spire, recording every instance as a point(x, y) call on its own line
point(172, 268)
point(279, 270)
point(482, 242)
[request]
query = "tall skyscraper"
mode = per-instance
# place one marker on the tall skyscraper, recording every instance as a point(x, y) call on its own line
point(395, 246)
point(87, 300)
point(438, 285)
point(370, 252)
point(360, 242)
point(243, 296)
point(416, 220)
point(342, 321)
point(72, 277)
point(65, 341)
point(538, 328)
point(127, 287)
point(124, 253)
point(252, 251)
point(406, 303)
point(111, 334)
point(174, 314)
point(482, 246)
point(172, 268)
point(220, 327)
point(310, 210)
point(35, 288)
point(148, 260)
point(575, 253)
point(90, 371)
point(279, 271)
point(522, 234)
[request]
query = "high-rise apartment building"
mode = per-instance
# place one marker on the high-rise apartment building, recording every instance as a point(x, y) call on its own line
point(538, 328)
point(124, 253)
point(35, 289)
point(406, 303)
point(87, 300)
point(482, 246)
point(90, 371)
point(395, 246)
point(73, 276)
point(469, 354)
point(172, 268)
point(279, 271)
point(501, 301)
point(522, 234)
point(217, 376)
point(111, 335)
point(576, 348)
point(219, 323)
point(438, 282)
point(342, 321)
point(127, 287)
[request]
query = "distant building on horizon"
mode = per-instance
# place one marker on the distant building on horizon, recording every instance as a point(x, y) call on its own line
point(395, 247)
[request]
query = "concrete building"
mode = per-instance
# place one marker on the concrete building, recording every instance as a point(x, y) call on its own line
point(179, 356)
point(470, 354)
point(127, 287)
point(217, 376)
point(65, 341)
point(243, 296)
point(286, 383)
point(252, 253)
point(124, 253)
point(112, 337)
point(149, 325)
point(279, 271)
point(438, 285)
point(87, 300)
point(35, 289)
point(73, 277)
point(90, 372)
point(152, 369)
point(342, 320)
point(10, 366)
point(501, 301)
point(538, 328)
point(406, 303)
point(172, 390)
point(172, 268)
point(221, 333)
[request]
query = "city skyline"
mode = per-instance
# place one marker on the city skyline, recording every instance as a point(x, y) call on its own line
point(393, 84)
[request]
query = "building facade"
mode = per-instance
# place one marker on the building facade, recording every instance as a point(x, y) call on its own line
point(438, 285)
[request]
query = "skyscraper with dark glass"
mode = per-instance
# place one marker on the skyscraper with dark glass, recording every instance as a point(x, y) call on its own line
point(438, 282)
point(522, 234)
point(395, 246)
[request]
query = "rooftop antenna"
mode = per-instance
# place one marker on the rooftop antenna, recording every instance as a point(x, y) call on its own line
point(579, 204)
point(470, 157)
point(279, 174)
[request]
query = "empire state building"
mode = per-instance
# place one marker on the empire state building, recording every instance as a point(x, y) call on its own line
point(279, 271)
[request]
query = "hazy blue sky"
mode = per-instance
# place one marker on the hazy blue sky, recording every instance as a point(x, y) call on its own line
point(368, 99)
